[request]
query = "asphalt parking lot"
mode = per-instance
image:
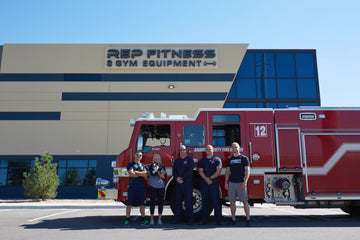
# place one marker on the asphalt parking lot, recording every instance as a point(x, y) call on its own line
point(99, 220)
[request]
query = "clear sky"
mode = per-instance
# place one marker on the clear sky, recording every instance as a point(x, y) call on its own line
point(331, 27)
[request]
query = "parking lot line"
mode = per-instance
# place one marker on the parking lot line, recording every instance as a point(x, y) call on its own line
point(51, 215)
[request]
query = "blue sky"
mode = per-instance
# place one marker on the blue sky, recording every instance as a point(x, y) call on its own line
point(331, 27)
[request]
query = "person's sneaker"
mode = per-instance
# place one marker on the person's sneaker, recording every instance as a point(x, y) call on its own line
point(160, 222)
point(231, 222)
point(126, 223)
point(152, 222)
point(144, 223)
point(248, 223)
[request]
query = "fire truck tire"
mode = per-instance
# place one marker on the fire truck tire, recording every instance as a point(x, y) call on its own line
point(352, 210)
point(197, 201)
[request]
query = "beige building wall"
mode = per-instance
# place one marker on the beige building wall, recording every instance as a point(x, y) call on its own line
point(90, 127)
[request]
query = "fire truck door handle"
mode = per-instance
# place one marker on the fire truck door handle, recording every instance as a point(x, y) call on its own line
point(250, 152)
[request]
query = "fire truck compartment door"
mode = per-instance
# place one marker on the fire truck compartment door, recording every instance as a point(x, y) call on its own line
point(261, 146)
point(288, 149)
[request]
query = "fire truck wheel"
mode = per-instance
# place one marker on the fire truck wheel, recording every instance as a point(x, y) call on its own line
point(197, 202)
point(352, 210)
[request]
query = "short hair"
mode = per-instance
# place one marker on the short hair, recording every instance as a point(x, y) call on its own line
point(235, 143)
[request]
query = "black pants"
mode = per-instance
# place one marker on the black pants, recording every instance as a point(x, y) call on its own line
point(156, 196)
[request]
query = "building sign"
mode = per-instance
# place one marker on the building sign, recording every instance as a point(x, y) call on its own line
point(161, 58)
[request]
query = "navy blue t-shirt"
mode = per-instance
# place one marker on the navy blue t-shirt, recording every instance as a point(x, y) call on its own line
point(137, 181)
point(237, 168)
point(209, 165)
point(183, 168)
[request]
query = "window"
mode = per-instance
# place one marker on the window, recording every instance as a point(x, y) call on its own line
point(266, 88)
point(229, 118)
point(194, 135)
point(3, 172)
point(247, 68)
point(230, 105)
point(287, 88)
point(246, 88)
point(275, 78)
point(11, 171)
point(285, 66)
point(77, 172)
point(305, 66)
point(307, 88)
point(225, 135)
point(265, 65)
point(154, 135)
point(247, 105)
point(286, 105)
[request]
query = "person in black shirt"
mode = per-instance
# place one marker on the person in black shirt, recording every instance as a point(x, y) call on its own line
point(238, 172)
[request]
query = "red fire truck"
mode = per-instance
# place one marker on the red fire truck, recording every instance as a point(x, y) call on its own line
point(303, 157)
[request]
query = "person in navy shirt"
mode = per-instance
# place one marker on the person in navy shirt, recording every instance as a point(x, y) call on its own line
point(209, 170)
point(136, 191)
point(183, 174)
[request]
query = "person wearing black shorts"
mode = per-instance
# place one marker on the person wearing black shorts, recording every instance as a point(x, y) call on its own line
point(136, 191)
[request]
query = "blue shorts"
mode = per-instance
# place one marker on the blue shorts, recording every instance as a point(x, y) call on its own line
point(136, 196)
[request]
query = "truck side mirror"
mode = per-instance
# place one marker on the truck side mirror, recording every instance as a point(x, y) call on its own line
point(139, 144)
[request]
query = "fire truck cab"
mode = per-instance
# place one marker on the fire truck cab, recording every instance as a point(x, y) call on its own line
point(304, 157)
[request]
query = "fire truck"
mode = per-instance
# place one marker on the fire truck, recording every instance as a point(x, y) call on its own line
point(303, 157)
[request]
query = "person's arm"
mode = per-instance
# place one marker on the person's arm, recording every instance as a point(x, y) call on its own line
point(176, 174)
point(227, 175)
point(217, 173)
point(132, 173)
point(218, 169)
point(246, 178)
point(142, 173)
point(162, 174)
point(202, 174)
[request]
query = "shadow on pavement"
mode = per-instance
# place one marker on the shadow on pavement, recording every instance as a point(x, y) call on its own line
point(273, 221)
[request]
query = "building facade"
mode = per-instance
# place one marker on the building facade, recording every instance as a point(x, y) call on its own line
point(75, 100)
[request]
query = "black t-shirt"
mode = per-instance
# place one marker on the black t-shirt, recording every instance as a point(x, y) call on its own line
point(237, 168)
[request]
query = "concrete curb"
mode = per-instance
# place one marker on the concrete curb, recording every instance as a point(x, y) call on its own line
point(60, 204)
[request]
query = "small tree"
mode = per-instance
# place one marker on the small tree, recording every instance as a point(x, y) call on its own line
point(42, 180)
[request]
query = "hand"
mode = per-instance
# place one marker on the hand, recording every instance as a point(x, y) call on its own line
point(243, 185)
point(208, 181)
point(226, 186)
point(179, 180)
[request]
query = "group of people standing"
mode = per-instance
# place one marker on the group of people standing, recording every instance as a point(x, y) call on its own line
point(236, 178)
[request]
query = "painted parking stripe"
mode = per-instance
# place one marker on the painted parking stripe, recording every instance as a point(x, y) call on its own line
point(52, 215)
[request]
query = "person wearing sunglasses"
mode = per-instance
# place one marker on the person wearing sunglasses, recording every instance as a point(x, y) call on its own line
point(136, 191)
point(183, 174)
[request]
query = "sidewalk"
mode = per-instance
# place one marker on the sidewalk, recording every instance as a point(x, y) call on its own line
point(60, 204)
